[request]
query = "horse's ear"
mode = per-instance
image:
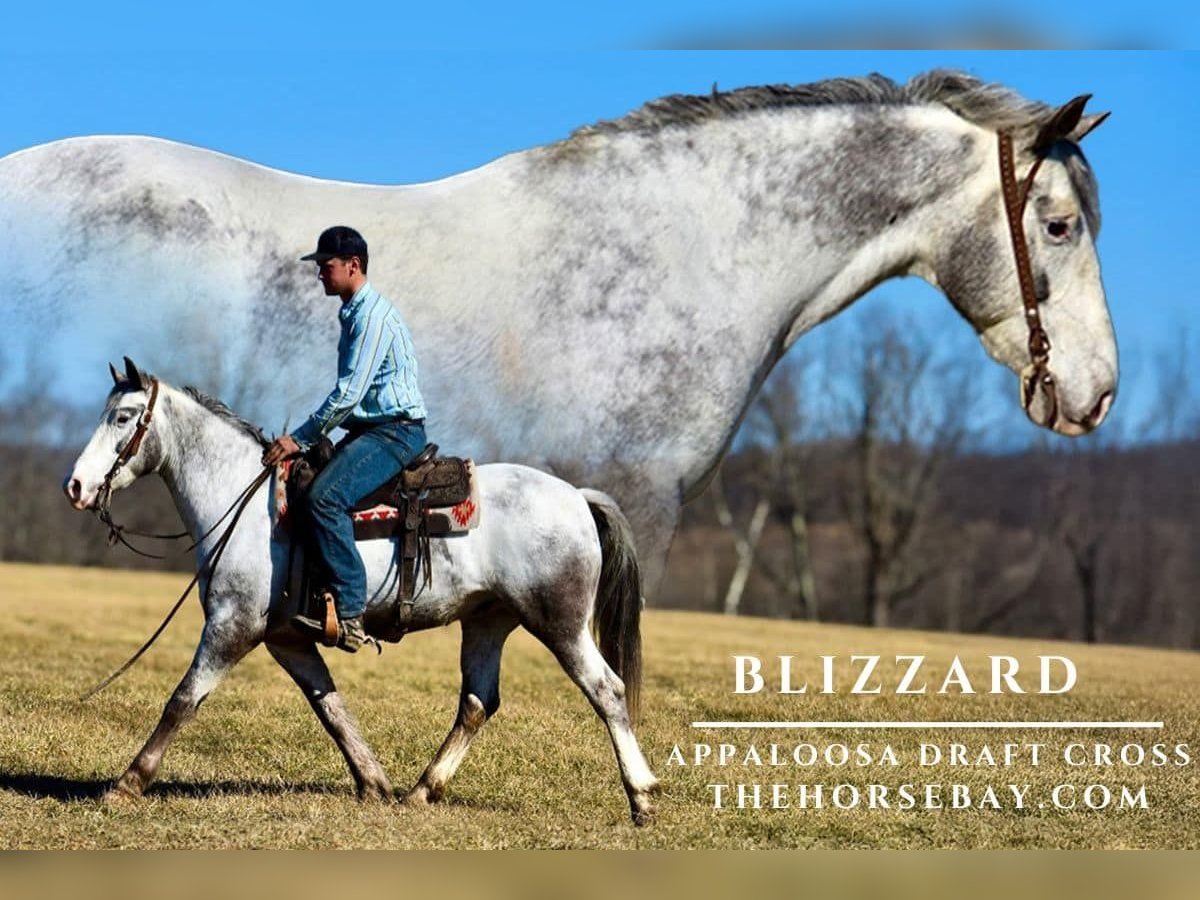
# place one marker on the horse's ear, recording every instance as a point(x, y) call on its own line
point(132, 373)
point(1060, 124)
point(1087, 124)
point(116, 376)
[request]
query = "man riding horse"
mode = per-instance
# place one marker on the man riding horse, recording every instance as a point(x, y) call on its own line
point(377, 400)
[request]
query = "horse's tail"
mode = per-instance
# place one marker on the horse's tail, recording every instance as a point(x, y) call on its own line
point(619, 596)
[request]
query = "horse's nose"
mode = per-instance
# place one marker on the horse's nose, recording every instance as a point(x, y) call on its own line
point(73, 489)
point(1099, 411)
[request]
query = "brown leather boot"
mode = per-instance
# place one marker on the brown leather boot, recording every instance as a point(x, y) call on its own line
point(351, 634)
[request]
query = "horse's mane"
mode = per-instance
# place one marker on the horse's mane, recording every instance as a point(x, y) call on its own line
point(992, 106)
point(213, 405)
point(222, 411)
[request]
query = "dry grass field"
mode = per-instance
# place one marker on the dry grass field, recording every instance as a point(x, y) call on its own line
point(256, 770)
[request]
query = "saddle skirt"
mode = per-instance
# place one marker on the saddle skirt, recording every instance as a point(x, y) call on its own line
point(377, 516)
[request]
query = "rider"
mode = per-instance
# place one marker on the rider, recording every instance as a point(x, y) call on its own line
point(377, 400)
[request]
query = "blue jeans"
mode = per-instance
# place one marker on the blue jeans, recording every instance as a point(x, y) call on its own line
point(357, 468)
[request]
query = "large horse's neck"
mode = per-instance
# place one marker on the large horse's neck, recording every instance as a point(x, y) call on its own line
point(789, 215)
point(206, 461)
point(716, 244)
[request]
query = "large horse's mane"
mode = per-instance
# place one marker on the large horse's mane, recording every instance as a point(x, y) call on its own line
point(222, 411)
point(992, 106)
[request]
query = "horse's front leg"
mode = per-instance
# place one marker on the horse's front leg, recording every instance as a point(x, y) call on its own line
point(223, 643)
point(304, 663)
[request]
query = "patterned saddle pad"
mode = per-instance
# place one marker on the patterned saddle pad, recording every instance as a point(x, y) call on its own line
point(383, 520)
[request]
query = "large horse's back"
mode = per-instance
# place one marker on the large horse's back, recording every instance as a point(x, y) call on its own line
point(85, 205)
point(187, 255)
point(129, 188)
point(191, 259)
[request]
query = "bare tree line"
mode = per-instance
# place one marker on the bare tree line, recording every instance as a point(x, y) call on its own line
point(863, 490)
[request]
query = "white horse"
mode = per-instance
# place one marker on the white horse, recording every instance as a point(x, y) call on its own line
point(544, 555)
point(604, 307)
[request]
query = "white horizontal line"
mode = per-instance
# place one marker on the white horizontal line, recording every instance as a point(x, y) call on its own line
point(927, 724)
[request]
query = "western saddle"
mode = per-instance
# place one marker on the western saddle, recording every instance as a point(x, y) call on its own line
point(431, 497)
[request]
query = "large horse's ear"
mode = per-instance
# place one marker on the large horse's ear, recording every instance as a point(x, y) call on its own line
point(116, 376)
point(1060, 124)
point(1087, 124)
point(132, 373)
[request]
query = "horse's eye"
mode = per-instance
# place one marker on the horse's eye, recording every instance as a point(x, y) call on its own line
point(123, 418)
point(1058, 229)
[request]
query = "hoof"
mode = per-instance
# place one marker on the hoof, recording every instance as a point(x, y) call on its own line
point(120, 793)
point(643, 817)
point(375, 793)
point(641, 810)
point(418, 797)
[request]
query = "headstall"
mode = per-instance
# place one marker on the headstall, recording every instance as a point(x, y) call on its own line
point(1016, 196)
point(129, 451)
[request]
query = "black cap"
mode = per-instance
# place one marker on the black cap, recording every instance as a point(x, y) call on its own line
point(338, 241)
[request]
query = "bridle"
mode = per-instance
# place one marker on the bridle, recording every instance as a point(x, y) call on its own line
point(1016, 196)
point(129, 451)
point(103, 509)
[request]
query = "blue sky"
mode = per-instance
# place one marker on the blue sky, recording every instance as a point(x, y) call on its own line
point(396, 115)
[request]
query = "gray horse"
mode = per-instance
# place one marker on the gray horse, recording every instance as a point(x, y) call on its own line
point(545, 556)
point(604, 307)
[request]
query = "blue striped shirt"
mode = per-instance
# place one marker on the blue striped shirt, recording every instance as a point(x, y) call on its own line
point(377, 370)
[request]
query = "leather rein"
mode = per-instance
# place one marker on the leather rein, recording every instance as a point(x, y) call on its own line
point(115, 531)
point(1016, 196)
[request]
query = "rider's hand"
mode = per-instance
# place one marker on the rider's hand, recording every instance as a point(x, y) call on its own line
point(282, 448)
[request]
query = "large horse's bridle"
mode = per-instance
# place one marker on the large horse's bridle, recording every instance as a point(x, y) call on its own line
point(1016, 196)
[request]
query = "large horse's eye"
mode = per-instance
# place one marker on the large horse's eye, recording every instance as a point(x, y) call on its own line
point(1059, 230)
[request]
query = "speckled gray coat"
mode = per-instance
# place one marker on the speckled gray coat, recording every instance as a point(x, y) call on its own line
point(605, 307)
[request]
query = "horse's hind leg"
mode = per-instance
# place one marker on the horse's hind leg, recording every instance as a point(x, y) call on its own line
point(483, 642)
point(304, 663)
point(582, 661)
point(222, 645)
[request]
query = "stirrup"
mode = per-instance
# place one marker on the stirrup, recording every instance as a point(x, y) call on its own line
point(332, 631)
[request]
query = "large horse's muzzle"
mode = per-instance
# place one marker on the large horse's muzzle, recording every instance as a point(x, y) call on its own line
point(1041, 402)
